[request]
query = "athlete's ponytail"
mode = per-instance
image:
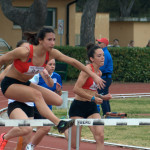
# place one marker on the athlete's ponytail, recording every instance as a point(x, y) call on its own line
point(31, 37)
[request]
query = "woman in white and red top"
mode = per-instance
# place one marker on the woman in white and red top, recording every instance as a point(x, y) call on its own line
point(27, 63)
point(86, 99)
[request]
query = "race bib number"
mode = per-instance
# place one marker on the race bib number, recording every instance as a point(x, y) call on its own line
point(93, 86)
point(34, 70)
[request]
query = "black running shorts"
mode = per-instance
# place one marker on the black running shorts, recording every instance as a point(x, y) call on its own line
point(7, 81)
point(37, 115)
point(82, 109)
point(29, 110)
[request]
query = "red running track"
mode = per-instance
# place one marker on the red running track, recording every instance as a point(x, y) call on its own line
point(53, 143)
point(117, 88)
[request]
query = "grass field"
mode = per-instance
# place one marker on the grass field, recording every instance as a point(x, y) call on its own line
point(127, 135)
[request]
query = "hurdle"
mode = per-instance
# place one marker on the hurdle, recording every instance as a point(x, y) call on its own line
point(107, 122)
point(78, 123)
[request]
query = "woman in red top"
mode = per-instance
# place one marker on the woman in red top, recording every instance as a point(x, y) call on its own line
point(86, 97)
point(27, 62)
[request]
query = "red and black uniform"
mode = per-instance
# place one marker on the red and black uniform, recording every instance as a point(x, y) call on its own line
point(84, 109)
point(26, 67)
point(90, 84)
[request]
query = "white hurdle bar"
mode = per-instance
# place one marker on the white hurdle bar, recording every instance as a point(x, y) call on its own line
point(28, 122)
point(78, 123)
point(106, 122)
point(112, 122)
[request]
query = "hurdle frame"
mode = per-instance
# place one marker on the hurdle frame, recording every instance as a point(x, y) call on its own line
point(78, 123)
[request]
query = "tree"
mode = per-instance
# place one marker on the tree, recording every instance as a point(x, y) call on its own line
point(30, 19)
point(87, 28)
point(126, 7)
point(114, 9)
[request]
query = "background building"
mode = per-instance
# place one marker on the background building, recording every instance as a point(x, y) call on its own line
point(59, 11)
point(65, 21)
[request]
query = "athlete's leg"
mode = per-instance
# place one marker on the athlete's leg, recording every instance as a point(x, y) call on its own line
point(50, 97)
point(24, 93)
point(40, 133)
point(98, 132)
point(19, 131)
point(73, 134)
point(23, 140)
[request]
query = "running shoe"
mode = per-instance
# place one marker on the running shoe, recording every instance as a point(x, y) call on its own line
point(63, 125)
point(3, 142)
point(30, 147)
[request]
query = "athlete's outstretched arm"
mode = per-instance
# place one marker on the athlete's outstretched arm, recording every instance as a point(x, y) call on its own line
point(61, 57)
point(18, 53)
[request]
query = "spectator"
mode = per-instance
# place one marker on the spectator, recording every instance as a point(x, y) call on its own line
point(131, 43)
point(148, 44)
point(115, 43)
point(107, 70)
point(38, 79)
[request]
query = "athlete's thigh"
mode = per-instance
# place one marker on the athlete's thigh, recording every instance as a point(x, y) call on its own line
point(18, 113)
point(96, 129)
point(21, 93)
point(50, 97)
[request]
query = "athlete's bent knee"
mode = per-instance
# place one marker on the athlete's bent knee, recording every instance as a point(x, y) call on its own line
point(37, 95)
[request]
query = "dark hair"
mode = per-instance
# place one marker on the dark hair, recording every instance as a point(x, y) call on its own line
point(19, 43)
point(41, 34)
point(91, 48)
point(33, 37)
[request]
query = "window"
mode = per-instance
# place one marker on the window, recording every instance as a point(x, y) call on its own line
point(51, 17)
point(77, 39)
point(50, 20)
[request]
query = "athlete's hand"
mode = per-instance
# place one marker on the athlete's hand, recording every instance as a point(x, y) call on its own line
point(99, 82)
point(58, 87)
point(45, 73)
point(107, 96)
point(98, 100)
point(104, 97)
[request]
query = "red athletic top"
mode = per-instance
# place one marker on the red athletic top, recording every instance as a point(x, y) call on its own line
point(90, 84)
point(27, 67)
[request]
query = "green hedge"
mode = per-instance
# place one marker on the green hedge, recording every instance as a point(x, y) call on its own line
point(130, 64)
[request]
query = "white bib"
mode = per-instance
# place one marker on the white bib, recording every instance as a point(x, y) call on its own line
point(34, 70)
